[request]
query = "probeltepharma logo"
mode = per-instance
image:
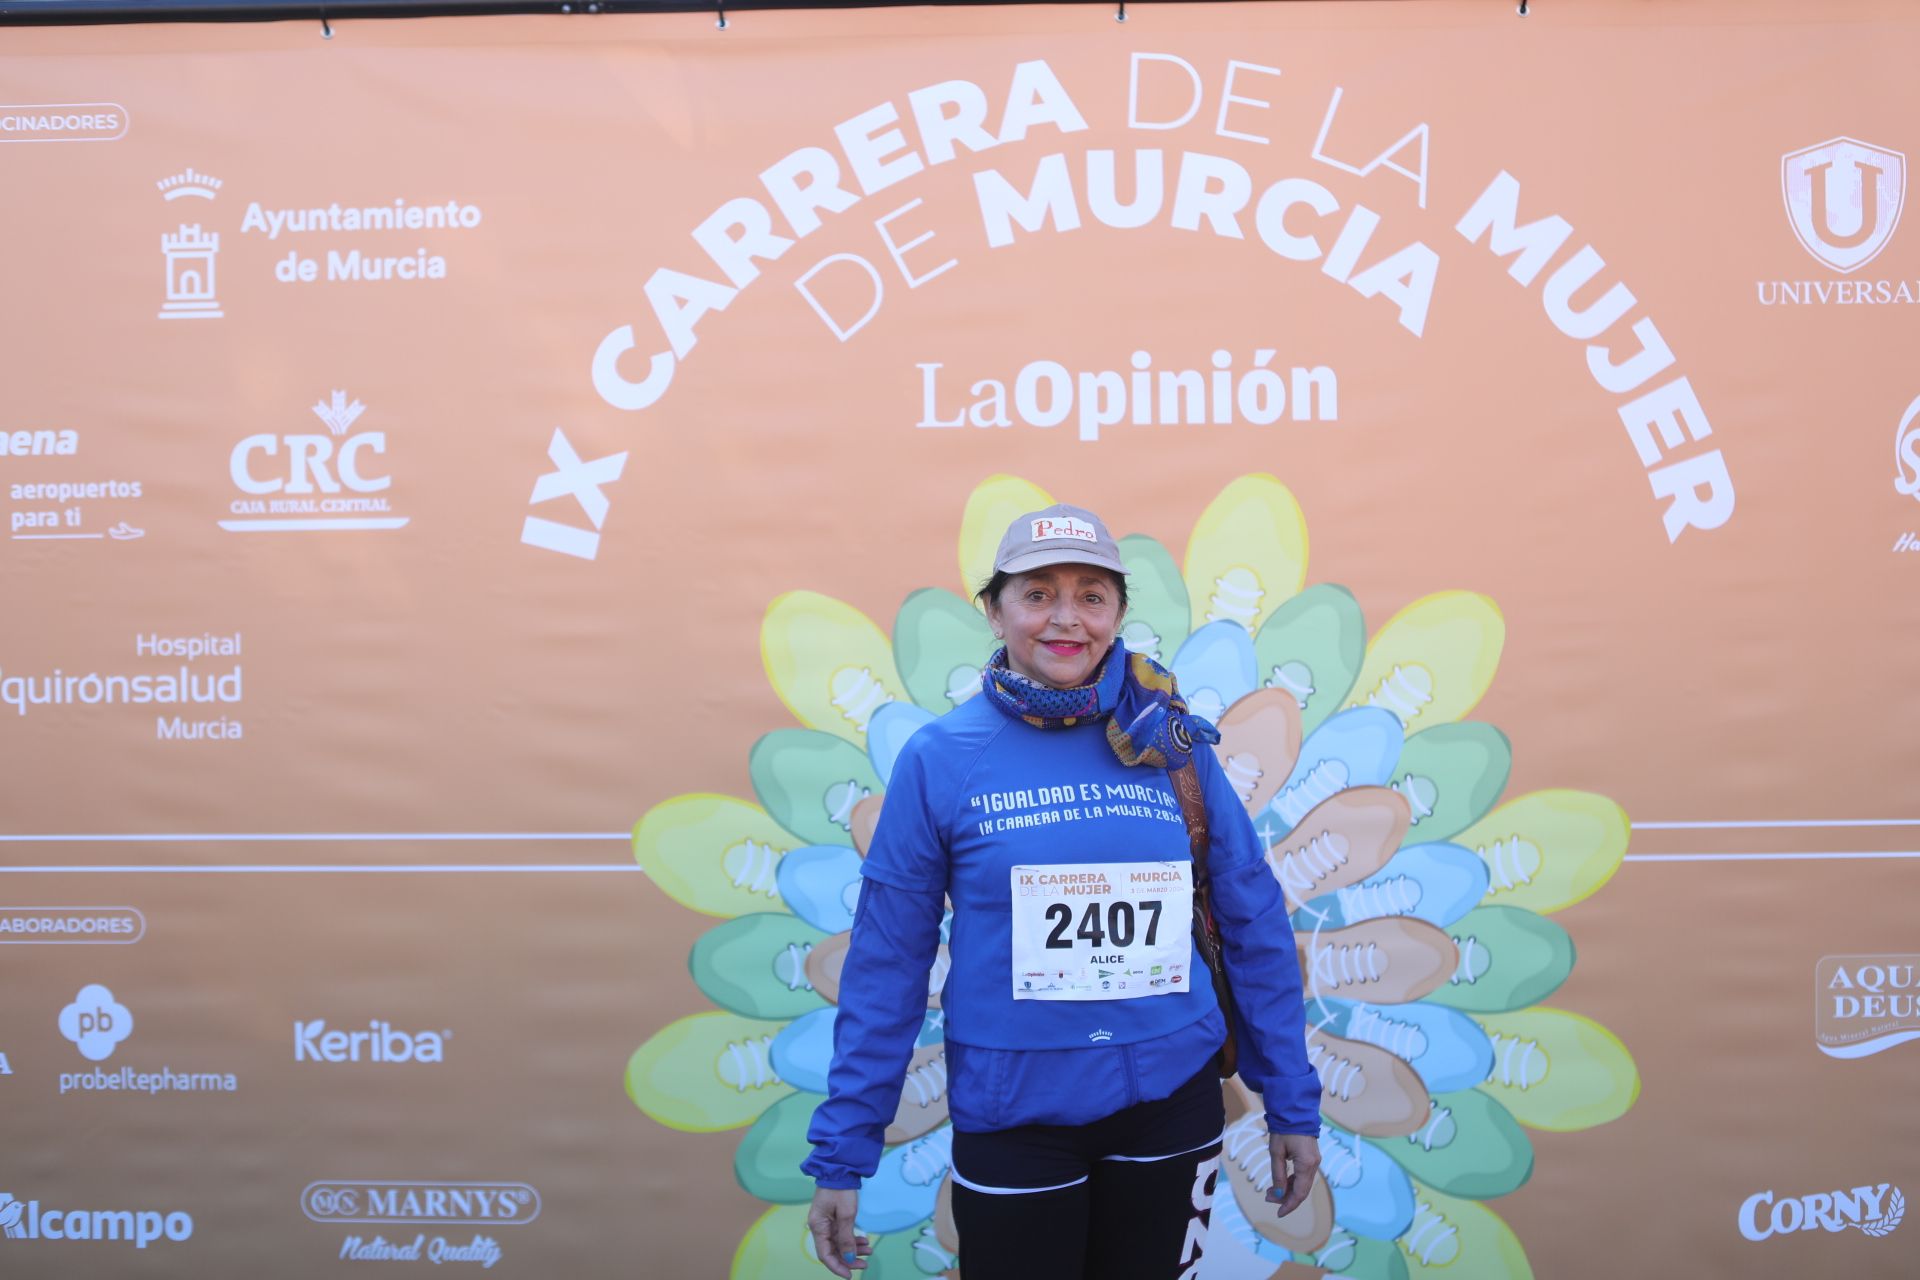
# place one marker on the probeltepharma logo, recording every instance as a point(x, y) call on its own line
point(1875, 1210)
point(314, 482)
point(1865, 1004)
point(30, 1220)
point(380, 1042)
point(1843, 201)
point(97, 1024)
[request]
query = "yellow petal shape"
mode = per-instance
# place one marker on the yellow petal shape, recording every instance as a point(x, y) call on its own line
point(1549, 849)
point(706, 1072)
point(829, 663)
point(1433, 660)
point(1558, 1070)
point(713, 853)
point(990, 509)
point(1460, 1240)
point(1248, 553)
point(777, 1247)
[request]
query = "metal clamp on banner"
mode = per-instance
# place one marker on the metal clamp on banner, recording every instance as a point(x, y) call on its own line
point(720, 12)
point(326, 29)
point(1523, 8)
point(1120, 14)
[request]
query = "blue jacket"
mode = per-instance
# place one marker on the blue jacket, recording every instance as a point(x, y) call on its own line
point(972, 795)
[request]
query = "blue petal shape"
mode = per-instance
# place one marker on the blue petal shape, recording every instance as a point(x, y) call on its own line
point(888, 730)
point(1216, 668)
point(902, 1191)
point(1372, 1195)
point(803, 1050)
point(1228, 1218)
point(1437, 883)
point(1356, 748)
point(1450, 1050)
point(820, 883)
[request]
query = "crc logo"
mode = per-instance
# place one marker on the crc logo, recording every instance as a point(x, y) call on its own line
point(1843, 199)
point(310, 481)
point(1875, 1210)
point(96, 1022)
point(380, 1042)
point(429, 1203)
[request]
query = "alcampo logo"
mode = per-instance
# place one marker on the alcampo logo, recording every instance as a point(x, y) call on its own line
point(29, 1220)
point(380, 1042)
point(1875, 1209)
point(309, 482)
point(96, 1022)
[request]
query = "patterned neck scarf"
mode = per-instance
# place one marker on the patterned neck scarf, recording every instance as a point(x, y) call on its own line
point(1147, 719)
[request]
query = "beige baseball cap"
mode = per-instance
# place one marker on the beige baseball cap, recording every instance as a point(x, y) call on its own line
point(1059, 534)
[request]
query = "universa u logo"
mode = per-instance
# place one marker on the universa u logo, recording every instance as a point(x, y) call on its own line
point(1843, 198)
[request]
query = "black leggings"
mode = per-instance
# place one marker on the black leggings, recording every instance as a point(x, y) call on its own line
point(1127, 1197)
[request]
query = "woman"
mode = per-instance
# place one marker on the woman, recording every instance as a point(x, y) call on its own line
point(1081, 1026)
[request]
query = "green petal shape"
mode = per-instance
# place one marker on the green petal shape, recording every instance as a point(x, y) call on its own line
point(1509, 958)
point(776, 1247)
point(1456, 771)
point(1157, 611)
point(809, 782)
point(1355, 1257)
point(1470, 1146)
point(1456, 1239)
point(1313, 645)
point(755, 965)
point(1558, 1070)
point(706, 1072)
point(1549, 849)
point(767, 1162)
point(939, 643)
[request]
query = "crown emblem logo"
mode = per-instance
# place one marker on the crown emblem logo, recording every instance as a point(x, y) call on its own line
point(339, 415)
point(189, 182)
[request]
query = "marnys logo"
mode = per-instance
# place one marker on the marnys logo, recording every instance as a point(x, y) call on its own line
point(96, 1022)
point(429, 1203)
point(1875, 1210)
point(380, 1042)
point(1865, 1004)
point(307, 482)
point(137, 1227)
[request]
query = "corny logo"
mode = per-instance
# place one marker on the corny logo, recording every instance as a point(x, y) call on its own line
point(1843, 198)
point(96, 1022)
point(1876, 1210)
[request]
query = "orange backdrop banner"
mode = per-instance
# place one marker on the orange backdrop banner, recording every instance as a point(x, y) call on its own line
point(488, 498)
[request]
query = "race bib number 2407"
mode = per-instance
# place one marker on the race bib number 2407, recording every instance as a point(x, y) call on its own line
point(1101, 930)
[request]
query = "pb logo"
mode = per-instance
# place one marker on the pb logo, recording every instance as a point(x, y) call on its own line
point(1843, 199)
point(96, 1022)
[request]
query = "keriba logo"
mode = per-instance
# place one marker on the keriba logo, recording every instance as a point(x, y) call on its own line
point(380, 1042)
point(1844, 198)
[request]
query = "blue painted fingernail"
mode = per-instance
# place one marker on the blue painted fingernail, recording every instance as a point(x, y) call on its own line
point(849, 1255)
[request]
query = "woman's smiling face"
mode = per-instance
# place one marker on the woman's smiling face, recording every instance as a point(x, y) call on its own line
point(1058, 622)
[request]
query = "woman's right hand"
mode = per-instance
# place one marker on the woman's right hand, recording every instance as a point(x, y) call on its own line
point(830, 1220)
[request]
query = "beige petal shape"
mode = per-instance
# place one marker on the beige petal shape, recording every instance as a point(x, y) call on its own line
point(1259, 742)
point(1340, 842)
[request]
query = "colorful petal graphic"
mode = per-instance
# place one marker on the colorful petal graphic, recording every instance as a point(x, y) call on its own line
point(810, 782)
point(1434, 659)
point(1451, 774)
point(1461, 1240)
point(705, 1072)
point(1468, 1146)
point(1259, 741)
point(1550, 849)
point(939, 642)
point(1557, 1070)
point(756, 965)
point(828, 663)
point(1312, 646)
point(1509, 958)
point(990, 509)
point(1248, 554)
point(1157, 616)
point(713, 853)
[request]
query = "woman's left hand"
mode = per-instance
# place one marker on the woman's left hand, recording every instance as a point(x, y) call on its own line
point(1296, 1160)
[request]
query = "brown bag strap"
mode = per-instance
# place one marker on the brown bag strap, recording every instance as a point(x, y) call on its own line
point(1193, 807)
point(1206, 934)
